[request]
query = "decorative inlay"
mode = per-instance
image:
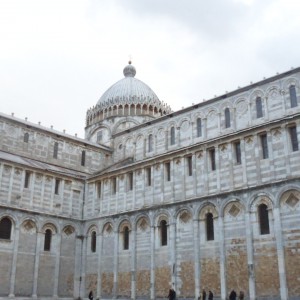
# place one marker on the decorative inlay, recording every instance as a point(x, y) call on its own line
point(18, 172)
point(241, 107)
point(185, 125)
point(200, 154)
point(223, 147)
point(29, 226)
point(143, 225)
point(277, 134)
point(177, 161)
point(157, 166)
point(292, 200)
point(234, 210)
point(68, 230)
point(161, 133)
point(249, 139)
point(185, 216)
point(108, 229)
point(7, 170)
point(38, 177)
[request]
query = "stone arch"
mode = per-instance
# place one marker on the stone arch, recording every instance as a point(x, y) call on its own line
point(291, 81)
point(92, 227)
point(232, 208)
point(227, 104)
point(282, 191)
point(50, 225)
point(161, 215)
point(29, 225)
point(290, 199)
point(211, 111)
point(124, 222)
point(256, 93)
point(198, 114)
point(108, 229)
point(68, 230)
point(123, 120)
point(208, 208)
point(227, 201)
point(261, 198)
point(14, 221)
point(142, 222)
point(184, 215)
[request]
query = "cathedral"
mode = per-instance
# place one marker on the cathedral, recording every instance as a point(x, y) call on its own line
point(207, 197)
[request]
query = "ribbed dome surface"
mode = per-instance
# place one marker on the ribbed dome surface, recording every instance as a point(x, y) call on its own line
point(129, 90)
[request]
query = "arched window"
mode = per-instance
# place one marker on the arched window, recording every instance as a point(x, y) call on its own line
point(163, 233)
point(199, 127)
point(83, 158)
point(227, 117)
point(93, 241)
point(263, 217)
point(26, 137)
point(258, 104)
point(172, 137)
point(47, 242)
point(150, 143)
point(126, 238)
point(210, 227)
point(55, 150)
point(5, 228)
point(293, 96)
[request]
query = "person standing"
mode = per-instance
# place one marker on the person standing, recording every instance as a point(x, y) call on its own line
point(232, 295)
point(241, 296)
point(91, 296)
point(203, 294)
point(210, 295)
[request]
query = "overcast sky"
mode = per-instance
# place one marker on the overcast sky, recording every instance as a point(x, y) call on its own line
point(57, 57)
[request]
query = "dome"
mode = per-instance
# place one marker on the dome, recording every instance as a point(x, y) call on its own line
point(128, 90)
point(128, 96)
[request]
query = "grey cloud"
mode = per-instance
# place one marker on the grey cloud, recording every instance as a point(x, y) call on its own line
point(214, 19)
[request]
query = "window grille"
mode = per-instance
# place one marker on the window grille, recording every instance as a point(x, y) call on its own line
point(263, 216)
point(264, 145)
point(47, 242)
point(259, 112)
point(212, 155)
point(163, 233)
point(172, 136)
point(148, 175)
point(26, 137)
point(126, 238)
point(83, 158)
point(57, 184)
point(55, 150)
point(27, 179)
point(5, 228)
point(168, 171)
point(189, 161)
point(294, 138)
point(199, 127)
point(238, 157)
point(93, 241)
point(293, 96)
point(209, 227)
point(150, 143)
point(227, 117)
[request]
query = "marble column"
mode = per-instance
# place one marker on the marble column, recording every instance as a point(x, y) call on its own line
point(39, 239)
point(197, 256)
point(152, 263)
point(222, 258)
point(280, 254)
point(99, 281)
point(250, 257)
point(57, 263)
point(14, 263)
point(133, 263)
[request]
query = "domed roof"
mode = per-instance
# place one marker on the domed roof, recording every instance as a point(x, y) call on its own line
point(128, 90)
point(128, 96)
